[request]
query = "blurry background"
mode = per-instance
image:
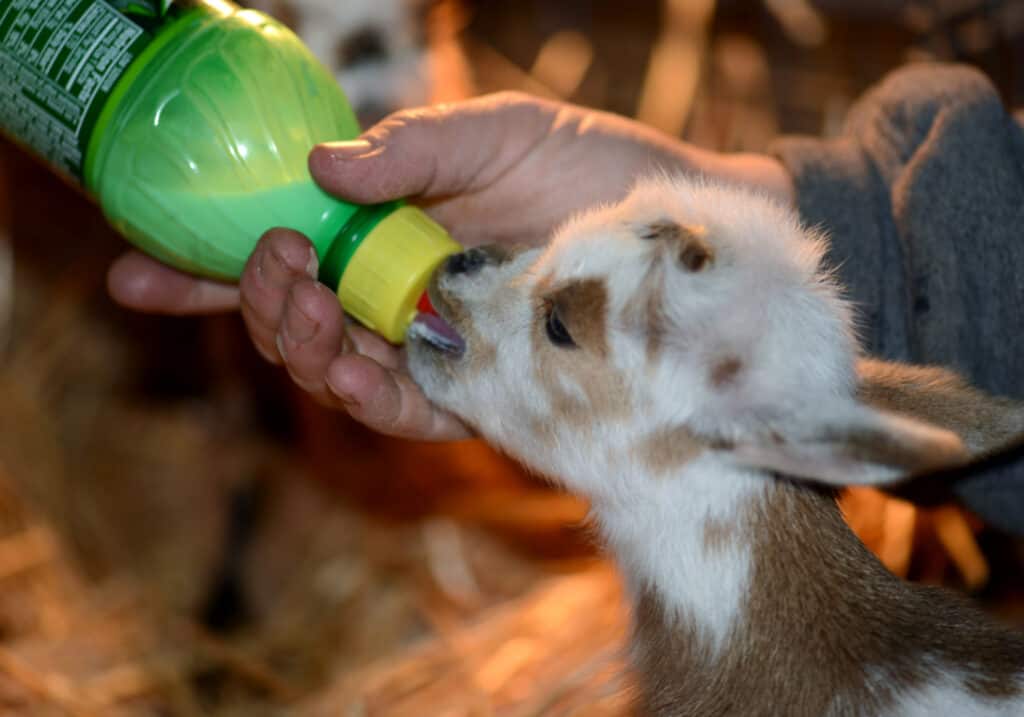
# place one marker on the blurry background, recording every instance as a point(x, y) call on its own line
point(182, 533)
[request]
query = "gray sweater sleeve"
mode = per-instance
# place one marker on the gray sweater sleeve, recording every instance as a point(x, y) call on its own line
point(923, 198)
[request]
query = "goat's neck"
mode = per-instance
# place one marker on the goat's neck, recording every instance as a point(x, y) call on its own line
point(684, 541)
point(746, 586)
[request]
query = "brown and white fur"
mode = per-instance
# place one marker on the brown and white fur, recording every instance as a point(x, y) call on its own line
point(682, 359)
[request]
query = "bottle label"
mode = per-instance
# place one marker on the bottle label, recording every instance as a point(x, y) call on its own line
point(59, 61)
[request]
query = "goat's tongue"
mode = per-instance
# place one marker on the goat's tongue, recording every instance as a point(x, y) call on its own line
point(437, 332)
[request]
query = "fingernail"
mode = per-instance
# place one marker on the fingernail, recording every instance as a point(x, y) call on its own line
point(348, 150)
point(275, 269)
point(334, 381)
point(347, 344)
point(298, 326)
point(346, 398)
point(313, 265)
point(269, 355)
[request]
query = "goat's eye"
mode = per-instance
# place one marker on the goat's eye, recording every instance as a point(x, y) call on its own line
point(557, 333)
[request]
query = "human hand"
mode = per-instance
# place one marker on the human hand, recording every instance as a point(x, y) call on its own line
point(502, 168)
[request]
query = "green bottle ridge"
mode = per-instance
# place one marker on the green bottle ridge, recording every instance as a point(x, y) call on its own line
point(190, 122)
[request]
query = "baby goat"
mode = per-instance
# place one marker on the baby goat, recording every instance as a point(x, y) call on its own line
point(683, 361)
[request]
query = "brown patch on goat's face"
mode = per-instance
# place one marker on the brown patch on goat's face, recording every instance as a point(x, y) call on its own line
point(582, 307)
point(661, 230)
point(825, 611)
point(725, 371)
point(655, 325)
point(688, 248)
point(644, 312)
point(668, 450)
point(689, 242)
point(695, 254)
point(938, 396)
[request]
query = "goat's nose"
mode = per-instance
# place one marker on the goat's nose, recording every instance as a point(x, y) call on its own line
point(466, 262)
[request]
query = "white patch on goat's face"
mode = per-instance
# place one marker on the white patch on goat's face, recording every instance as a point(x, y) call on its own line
point(695, 309)
point(696, 314)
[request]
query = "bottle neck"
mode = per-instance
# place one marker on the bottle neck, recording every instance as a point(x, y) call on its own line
point(381, 264)
point(339, 254)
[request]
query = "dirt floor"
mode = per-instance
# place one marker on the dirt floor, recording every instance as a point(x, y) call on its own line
point(182, 533)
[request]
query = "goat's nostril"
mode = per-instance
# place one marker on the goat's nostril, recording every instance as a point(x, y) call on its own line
point(466, 262)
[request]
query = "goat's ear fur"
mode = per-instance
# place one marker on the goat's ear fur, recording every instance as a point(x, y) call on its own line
point(853, 444)
point(986, 423)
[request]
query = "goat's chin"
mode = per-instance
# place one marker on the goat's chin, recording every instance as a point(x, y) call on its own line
point(438, 377)
point(430, 370)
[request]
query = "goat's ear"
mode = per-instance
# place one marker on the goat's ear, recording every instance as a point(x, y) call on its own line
point(853, 444)
point(986, 423)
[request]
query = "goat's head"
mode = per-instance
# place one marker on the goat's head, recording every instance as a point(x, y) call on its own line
point(691, 319)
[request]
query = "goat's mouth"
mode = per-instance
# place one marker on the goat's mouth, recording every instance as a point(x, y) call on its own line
point(437, 333)
point(436, 330)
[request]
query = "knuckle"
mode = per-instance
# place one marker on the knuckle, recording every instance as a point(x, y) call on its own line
point(304, 297)
point(396, 124)
point(510, 97)
point(287, 244)
point(255, 320)
point(386, 129)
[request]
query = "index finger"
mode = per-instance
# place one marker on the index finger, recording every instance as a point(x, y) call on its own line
point(389, 401)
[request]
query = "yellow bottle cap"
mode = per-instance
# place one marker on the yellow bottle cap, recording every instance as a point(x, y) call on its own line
point(390, 269)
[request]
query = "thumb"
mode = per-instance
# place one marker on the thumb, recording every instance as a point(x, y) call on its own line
point(433, 151)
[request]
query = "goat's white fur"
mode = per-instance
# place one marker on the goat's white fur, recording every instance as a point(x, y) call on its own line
point(708, 586)
point(765, 301)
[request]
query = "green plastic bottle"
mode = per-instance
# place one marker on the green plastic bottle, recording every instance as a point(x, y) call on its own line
point(190, 122)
